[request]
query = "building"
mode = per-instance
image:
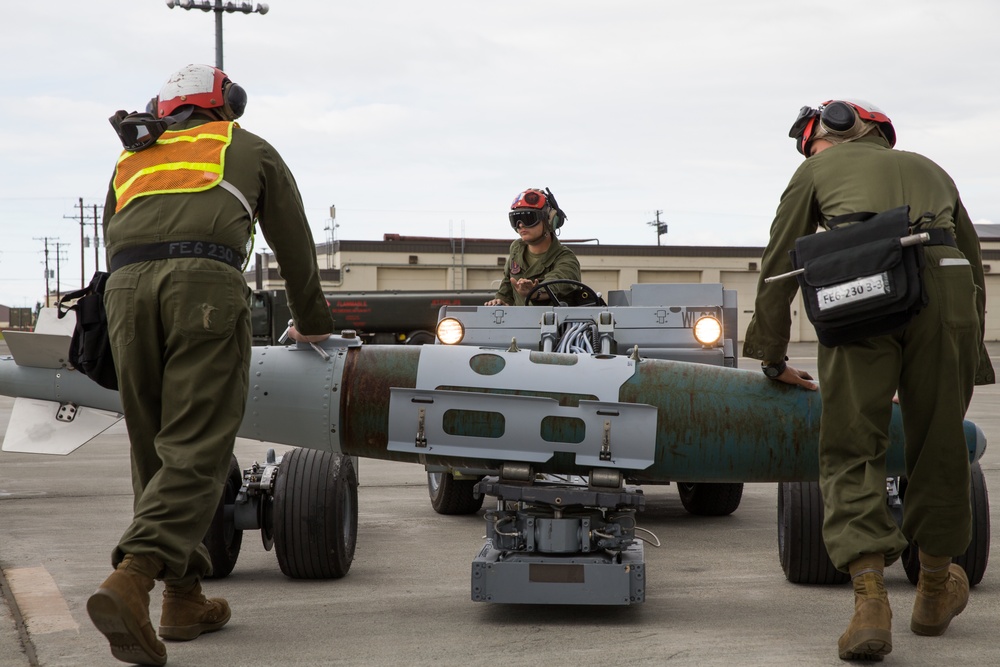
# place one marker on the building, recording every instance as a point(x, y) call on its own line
point(427, 263)
point(22, 319)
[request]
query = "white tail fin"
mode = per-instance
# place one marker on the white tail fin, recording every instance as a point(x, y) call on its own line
point(47, 427)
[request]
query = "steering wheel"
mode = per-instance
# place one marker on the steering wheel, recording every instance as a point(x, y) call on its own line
point(583, 295)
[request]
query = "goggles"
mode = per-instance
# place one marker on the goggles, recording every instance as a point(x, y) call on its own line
point(805, 117)
point(526, 218)
point(139, 131)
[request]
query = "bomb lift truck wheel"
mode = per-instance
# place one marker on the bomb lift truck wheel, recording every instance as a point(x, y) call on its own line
point(977, 555)
point(710, 499)
point(452, 496)
point(804, 558)
point(223, 540)
point(315, 514)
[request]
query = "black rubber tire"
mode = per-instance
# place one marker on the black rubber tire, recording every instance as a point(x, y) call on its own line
point(710, 499)
point(977, 555)
point(803, 554)
point(315, 514)
point(223, 540)
point(452, 496)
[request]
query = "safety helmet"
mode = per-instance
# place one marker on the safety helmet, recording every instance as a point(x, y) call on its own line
point(534, 206)
point(201, 86)
point(838, 118)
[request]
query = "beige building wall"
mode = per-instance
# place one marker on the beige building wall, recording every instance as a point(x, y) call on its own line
point(432, 264)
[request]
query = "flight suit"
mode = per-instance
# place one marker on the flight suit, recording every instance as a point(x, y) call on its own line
point(558, 262)
point(933, 362)
point(180, 332)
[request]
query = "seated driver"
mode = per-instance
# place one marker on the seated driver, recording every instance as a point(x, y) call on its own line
point(537, 256)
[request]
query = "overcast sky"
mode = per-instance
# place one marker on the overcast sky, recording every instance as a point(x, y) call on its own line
point(427, 118)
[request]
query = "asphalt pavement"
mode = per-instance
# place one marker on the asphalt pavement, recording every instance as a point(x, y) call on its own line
point(715, 591)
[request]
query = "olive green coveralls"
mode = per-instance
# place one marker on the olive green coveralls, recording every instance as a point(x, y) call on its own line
point(933, 362)
point(556, 263)
point(180, 332)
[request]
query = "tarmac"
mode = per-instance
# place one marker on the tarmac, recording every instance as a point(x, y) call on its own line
point(715, 591)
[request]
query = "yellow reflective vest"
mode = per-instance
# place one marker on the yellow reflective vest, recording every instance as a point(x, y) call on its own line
point(189, 160)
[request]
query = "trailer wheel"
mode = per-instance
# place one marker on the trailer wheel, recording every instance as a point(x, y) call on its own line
point(315, 514)
point(452, 496)
point(223, 540)
point(803, 554)
point(977, 555)
point(710, 499)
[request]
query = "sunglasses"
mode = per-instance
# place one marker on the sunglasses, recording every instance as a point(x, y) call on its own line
point(525, 218)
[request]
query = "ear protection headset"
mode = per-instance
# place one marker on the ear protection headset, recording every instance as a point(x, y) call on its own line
point(838, 117)
point(560, 217)
point(234, 100)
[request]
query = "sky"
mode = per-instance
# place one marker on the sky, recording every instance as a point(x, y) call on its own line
point(428, 118)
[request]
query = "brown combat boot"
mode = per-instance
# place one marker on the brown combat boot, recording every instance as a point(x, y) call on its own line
point(120, 610)
point(869, 636)
point(187, 614)
point(942, 593)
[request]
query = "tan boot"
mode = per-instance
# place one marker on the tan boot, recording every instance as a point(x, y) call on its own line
point(187, 614)
point(869, 636)
point(942, 593)
point(120, 610)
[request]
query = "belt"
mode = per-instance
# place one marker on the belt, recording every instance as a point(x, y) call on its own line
point(176, 249)
point(939, 237)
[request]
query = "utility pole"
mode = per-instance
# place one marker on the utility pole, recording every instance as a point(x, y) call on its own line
point(83, 239)
point(46, 240)
point(59, 269)
point(661, 227)
point(331, 238)
point(82, 230)
point(97, 241)
point(218, 7)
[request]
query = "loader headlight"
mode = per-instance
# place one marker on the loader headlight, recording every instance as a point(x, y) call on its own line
point(450, 331)
point(707, 330)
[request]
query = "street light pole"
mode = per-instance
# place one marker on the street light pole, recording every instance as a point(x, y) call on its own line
point(218, 7)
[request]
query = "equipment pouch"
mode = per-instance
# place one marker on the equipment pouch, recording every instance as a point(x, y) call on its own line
point(858, 279)
point(90, 348)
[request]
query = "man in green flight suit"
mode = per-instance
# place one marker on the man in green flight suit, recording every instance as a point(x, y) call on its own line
point(933, 362)
point(536, 256)
point(178, 219)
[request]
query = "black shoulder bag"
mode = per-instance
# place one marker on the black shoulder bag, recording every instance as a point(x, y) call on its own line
point(863, 279)
point(90, 349)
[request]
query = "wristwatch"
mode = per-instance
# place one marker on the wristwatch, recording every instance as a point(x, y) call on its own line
point(774, 370)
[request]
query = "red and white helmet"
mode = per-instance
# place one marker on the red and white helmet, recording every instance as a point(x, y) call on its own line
point(838, 117)
point(201, 86)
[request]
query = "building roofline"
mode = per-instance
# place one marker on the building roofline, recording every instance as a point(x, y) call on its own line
point(418, 244)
